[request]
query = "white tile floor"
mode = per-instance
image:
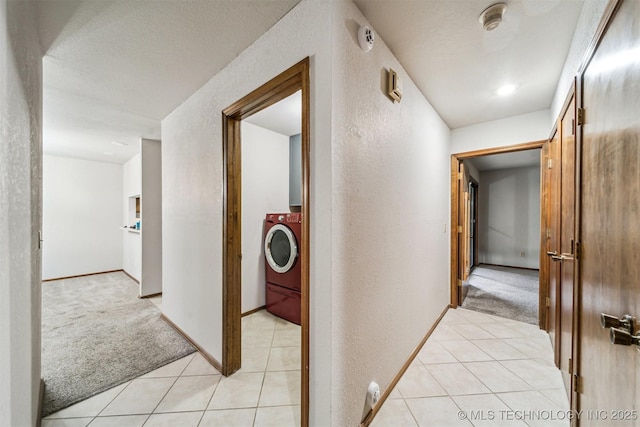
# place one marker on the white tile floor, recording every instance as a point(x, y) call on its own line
point(487, 370)
point(479, 370)
point(190, 392)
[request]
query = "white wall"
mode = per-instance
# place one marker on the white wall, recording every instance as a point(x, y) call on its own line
point(499, 133)
point(265, 189)
point(588, 21)
point(391, 206)
point(151, 217)
point(192, 189)
point(82, 205)
point(20, 212)
point(131, 242)
point(509, 217)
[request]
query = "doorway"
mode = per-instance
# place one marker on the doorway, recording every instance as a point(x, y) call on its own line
point(284, 85)
point(467, 217)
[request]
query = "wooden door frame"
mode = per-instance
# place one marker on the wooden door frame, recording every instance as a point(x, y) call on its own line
point(290, 81)
point(456, 159)
point(474, 226)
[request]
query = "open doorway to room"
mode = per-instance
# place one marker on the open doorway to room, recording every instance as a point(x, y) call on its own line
point(496, 201)
point(266, 257)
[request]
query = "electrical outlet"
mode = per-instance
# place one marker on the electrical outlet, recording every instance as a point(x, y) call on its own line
point(522, 254)
point(373, 394)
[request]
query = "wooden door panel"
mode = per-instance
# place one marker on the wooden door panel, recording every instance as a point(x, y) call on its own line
point(463, 231)
point(553, 245)
point(566, 244)
point(610, 218)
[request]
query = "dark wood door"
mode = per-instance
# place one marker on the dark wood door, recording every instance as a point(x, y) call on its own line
point(609, 375)
point(565, 262)
point(553, 243)
point(463, 232)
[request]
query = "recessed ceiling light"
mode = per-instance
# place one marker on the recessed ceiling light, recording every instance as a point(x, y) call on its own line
point(506, 90)
point(119, 144)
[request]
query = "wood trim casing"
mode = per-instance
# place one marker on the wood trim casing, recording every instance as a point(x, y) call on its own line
point(255, 310)
point(212, 360)
point(131, 277)
point(150, 295)
point(455, 167)
point(387, 392)
point(85, 275)
point(287, 83)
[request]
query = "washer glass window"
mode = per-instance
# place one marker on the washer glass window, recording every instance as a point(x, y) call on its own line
point(280, 248)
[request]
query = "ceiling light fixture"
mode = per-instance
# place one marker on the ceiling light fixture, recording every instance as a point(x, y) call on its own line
point(506, 90)
point(119, 144)
point(491, 17)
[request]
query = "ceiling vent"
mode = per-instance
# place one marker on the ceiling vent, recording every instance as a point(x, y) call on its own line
point(491, 17)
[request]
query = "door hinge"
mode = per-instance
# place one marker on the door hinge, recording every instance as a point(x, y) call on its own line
point(578, 250)
point(549, 163)
point(580, 116)
point(547, 301)
point(459, 229)
point(459, 175)
point(548, 233)
point(459, 283)
point(570, 366)
point(577, 384)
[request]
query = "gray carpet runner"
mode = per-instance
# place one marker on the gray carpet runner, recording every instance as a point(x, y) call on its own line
point(96, 334)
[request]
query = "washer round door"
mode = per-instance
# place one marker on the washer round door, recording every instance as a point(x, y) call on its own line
point(280, 248)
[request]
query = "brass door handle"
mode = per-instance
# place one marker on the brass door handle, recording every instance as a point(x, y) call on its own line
point(557, 258)
point(626, 323)
point(554, 253)
point(623, 337)
point(621, 329)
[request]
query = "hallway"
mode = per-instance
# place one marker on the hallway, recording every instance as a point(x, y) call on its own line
point(479, 370)
point(474, 370)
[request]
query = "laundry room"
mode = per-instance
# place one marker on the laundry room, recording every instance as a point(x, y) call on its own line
point(271, 194)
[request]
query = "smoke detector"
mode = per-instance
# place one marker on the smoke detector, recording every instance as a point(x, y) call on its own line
point(491, 17)
point(365, 38)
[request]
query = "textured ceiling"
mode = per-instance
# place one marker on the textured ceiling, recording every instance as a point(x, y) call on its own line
point(458, 66)
point(114, 69)
point(283, 117)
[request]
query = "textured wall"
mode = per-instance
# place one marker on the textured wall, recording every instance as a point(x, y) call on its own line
point(391, 207)
point(82, 216)
point(192, 189)
point(20, 212)
point(151, 216)
point(585, 30)
point(265, 189)
point(509, 217)
point(510, 131)
point(131, 242)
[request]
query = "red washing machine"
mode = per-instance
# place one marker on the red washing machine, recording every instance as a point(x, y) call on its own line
point(282, 237)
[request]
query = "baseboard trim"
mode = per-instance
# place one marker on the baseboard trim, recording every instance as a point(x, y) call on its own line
point(150, 295)
point(508, 266)
point(130, 276)
point(40, 403)
point(387, 392)
point(255, 310)
point(83, 275)
point(212, 360)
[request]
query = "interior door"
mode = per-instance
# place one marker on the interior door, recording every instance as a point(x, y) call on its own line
point(553, 242)
point(463, 232)
point(609, 375)
point(565, 262)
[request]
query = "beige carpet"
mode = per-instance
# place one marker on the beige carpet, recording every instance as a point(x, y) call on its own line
point(96, 334)
point(504, 291)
